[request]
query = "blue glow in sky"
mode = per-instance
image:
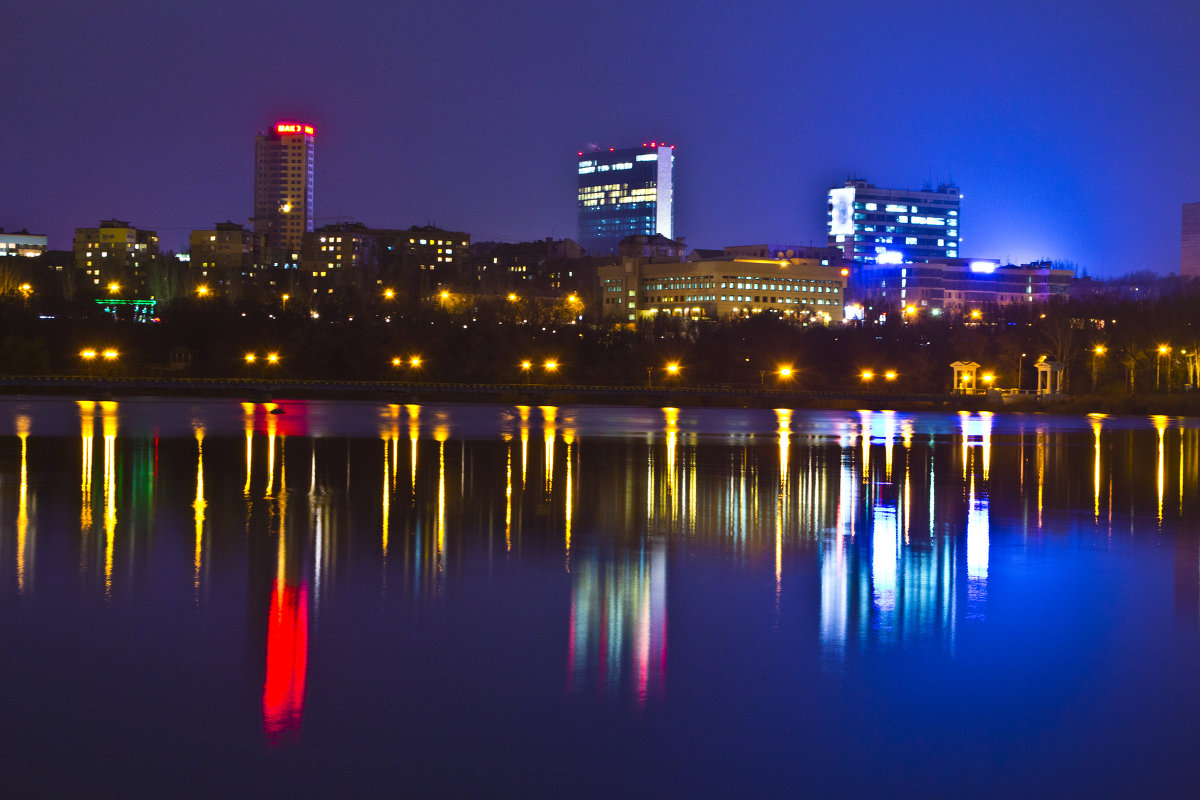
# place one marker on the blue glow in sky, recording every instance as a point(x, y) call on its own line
point(1070, 129)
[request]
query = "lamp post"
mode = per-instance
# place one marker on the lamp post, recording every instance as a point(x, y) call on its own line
point(1098, 350)
point(1020, 363)
point(1162, 351)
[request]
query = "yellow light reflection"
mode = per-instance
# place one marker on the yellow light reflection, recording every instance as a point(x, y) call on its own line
point(22, 423)
point(672, 428)
point(569, 492)
point(548, 415)
point(87, 426)
point(523, 411)
point(198, 507)
point(784, 417)
point(248, 427)
point(1097, 425)
point(414, 431)
point(108, 412)
point(272, 427)
point(507, 496)
point(387, 490)
point(1160, 425)
point(441, 434)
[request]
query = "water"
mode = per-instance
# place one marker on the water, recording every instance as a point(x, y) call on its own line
point(207, 597)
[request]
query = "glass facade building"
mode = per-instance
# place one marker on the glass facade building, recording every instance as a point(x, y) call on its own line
point(872, 225)
point(623, 193)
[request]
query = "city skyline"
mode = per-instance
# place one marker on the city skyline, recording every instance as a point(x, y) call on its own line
point(1070, 142)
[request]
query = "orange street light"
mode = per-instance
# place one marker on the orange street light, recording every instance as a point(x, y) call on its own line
point(976, 313)
point(397, 361)
point(202, 290)
point(890, 375)
point(272, 358)
point(551, 366)
point(512, 297)
point(250, 358)
point(673, 368)
point(388, 294)
point(414, 362)
point(114, 288)
point(866, 375)
point(87, 355)
point(785, 373)
point(110, 355)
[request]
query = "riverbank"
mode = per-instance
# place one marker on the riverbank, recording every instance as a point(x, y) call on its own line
point(728, 396)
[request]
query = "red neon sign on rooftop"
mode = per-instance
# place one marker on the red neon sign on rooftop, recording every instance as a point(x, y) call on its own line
point(294, 127)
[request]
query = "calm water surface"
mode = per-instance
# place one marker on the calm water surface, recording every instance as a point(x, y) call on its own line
point(455, 600)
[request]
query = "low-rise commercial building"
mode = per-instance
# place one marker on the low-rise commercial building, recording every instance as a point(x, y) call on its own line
point(802, 289)
point(961, 285)
point(21, 243)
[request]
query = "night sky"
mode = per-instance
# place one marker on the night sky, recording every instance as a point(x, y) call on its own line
point(1071, 128)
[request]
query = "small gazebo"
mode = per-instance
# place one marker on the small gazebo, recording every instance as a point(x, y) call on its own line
point(1050, 378)
point(964, 376)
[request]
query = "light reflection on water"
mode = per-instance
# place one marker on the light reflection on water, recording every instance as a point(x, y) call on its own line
point(877, 531)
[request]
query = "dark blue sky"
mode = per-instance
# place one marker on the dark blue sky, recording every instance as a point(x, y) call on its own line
point(1071, 128)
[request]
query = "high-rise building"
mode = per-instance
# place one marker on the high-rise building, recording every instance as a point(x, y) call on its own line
point(283, 185)
point(872, 225)
point(116, 258)
point(1189, 251)
point(623, 193)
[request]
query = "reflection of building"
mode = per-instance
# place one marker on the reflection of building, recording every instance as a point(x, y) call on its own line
point(283, 185)
point(116, 253)
point(865, 221)
point(913, 575)
point(618, 635)
point(626, 192)
point(800, 288)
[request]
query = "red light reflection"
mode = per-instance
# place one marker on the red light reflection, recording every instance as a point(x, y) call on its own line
point(287, 663)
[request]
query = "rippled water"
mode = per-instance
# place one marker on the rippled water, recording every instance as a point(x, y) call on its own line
point(204, 597)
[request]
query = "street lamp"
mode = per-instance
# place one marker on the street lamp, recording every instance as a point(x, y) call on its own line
point(673, 369)
point(272, 358)
point(890, 375)
point(1020, 361)
point(388, 294)
point(866, 375)
point(551, 366)
point(1098, 350)
point(114, 288)
point(202, 291)
point(1162, 351)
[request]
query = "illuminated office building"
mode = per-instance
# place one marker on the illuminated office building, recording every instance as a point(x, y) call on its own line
point(283, 185)
point(872, 225)
point(803, 289)
point(623, 193)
